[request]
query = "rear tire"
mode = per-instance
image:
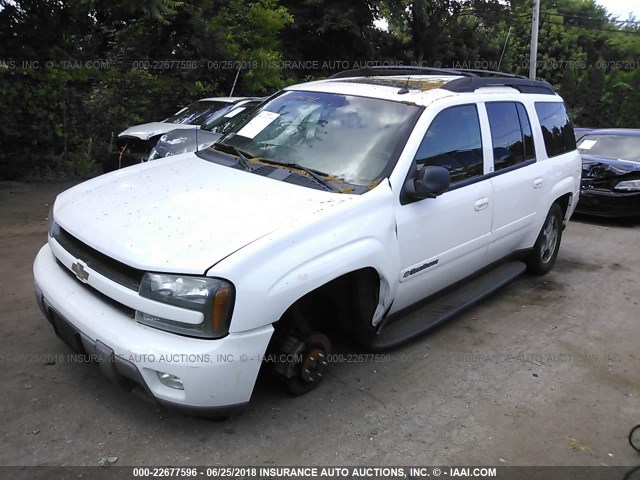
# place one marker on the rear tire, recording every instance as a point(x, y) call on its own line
point(544, 253)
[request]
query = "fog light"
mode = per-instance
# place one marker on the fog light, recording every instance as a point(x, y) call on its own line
point(170, 381)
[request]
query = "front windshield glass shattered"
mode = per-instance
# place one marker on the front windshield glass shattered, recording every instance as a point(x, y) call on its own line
point(347, 137)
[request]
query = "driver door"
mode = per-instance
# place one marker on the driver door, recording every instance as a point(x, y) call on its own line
point(444, 239)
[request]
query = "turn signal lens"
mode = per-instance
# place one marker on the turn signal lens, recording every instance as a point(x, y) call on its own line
point(220, 303)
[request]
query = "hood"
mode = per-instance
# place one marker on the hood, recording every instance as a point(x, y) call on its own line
point(147, 130)
point(182, 214)
point(180, 141)
point(601, 167)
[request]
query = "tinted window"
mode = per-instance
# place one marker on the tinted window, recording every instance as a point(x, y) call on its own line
point(556, 128)
point(506, 134)
point(453, 141)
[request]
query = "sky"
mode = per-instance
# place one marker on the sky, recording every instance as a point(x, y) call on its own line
point(618, 8)
point(621, 8)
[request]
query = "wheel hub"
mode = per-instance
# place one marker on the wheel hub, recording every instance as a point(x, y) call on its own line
point(314, 365)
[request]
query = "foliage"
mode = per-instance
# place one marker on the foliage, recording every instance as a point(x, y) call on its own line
point(74, 73)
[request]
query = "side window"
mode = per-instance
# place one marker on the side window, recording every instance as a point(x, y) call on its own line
point(507, 134)
point(453, 141)
point(557, 129)
point(527, 134)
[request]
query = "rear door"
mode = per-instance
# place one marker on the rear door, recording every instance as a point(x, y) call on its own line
point(517, 179)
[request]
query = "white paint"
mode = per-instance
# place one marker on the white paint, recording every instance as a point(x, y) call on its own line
point(277, 242)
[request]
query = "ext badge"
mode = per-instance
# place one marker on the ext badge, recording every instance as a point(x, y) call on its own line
point(80, 272)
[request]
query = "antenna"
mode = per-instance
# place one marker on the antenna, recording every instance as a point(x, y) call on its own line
point(197, 144)
point(233, 87)
point(405, 90)
point(504, 48)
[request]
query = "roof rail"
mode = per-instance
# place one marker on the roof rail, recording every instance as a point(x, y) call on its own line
point(486, 73)
point(523, 85)
point(386, 71)
point(471, 81)
point(389, 70)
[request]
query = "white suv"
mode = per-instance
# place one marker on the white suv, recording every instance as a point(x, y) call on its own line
point(336, 206)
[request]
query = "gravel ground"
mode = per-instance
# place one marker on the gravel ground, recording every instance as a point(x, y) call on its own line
point(546, 372)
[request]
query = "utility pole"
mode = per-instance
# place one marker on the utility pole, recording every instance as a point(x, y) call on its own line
point(535, 24)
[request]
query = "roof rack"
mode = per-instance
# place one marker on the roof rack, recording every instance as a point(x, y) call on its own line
point(487, 73)
point(387, 71)
point(523, 85)
point(473, 78)
point(391, 70)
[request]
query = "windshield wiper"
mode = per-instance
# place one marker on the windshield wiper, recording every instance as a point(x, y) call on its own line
point(243, 157)
point(317, 175)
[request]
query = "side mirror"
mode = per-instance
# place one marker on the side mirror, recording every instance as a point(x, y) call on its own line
point(429, 182)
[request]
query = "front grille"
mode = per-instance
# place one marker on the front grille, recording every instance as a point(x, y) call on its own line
point(112, 269)
point(128, 311)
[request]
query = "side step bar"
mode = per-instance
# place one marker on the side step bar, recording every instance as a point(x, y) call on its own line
point(407, 327)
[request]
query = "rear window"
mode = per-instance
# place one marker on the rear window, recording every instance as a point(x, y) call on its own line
point(557, 129)
point(510, 134)
point(198, 112)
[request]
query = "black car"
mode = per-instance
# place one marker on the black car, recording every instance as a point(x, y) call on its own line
point(580, 132)
point(610, 173)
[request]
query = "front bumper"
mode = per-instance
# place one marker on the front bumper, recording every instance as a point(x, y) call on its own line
point(218, 375)
point(607, 203)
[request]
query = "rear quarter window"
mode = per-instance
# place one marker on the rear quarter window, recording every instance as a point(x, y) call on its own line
point(556, 126)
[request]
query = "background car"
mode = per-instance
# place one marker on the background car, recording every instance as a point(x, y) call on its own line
point(180, 141)
point(134, 144)
point(580, 132)
point(610, 173)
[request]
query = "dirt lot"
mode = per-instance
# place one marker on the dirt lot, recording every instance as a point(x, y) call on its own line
point(547, 372)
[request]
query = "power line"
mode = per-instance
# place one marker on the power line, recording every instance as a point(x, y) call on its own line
point(471, 11)
point(608, 30)
point(593, 19)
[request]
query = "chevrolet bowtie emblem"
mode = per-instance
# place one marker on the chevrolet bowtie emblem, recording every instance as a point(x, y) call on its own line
point(80, 272)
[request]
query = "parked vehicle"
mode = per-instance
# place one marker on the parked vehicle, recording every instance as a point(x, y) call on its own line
point(134, 144)
point(581, 132)
point(610, 173)
point(378, 203)
point(180, 141)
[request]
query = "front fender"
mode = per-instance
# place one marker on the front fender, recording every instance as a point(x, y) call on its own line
point(275, 271)
point(357, 255)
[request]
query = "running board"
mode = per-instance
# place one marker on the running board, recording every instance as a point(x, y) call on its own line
point(442, 308)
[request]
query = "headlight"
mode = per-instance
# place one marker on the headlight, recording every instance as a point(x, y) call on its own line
point(213, 297)
point(628, 185)
point(52, 226)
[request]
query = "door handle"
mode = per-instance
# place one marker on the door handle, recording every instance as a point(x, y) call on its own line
point(481, 204)
point(537, 183)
